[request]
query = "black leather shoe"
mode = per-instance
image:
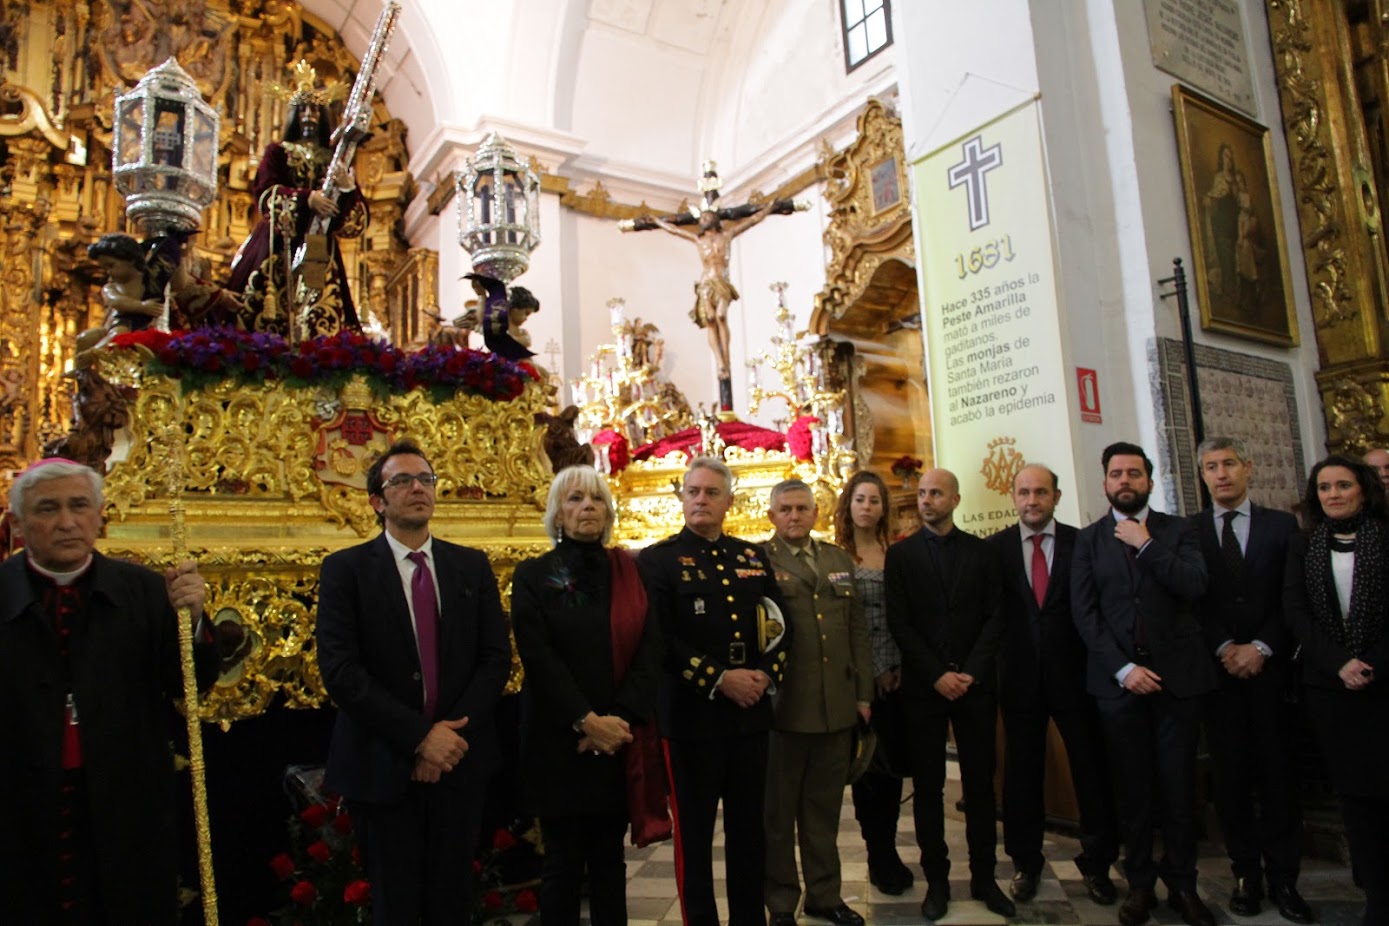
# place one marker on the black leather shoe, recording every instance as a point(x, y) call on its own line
point(1190, 907)
point(1244, 901)
point(840, 915)
point(891, 877)
point(781, 919)
point(1100, 888)
point(1024, 887)
point(1290, 904)
point(936, 901)
point(993, 898)
point(1137, 906)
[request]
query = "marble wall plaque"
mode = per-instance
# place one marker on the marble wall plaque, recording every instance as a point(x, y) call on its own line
point(1202, 42)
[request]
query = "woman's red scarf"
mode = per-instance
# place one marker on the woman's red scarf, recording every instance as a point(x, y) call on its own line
point(648, 789)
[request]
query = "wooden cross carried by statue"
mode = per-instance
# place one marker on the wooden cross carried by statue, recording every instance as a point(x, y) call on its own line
point(717, 227)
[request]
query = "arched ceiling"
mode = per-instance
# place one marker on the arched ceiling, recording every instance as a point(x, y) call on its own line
point(637, 89)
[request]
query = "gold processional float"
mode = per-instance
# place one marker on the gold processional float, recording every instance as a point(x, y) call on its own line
point(274, 466)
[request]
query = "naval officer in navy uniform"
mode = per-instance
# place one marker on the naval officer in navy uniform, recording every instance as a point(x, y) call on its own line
point(718, 608)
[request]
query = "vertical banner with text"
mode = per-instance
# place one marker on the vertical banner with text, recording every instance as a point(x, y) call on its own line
point(997, 374)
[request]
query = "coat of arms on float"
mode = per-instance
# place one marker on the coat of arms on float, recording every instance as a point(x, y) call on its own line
point(350, 437)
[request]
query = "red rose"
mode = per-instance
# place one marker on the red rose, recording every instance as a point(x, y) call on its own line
point(283, 866)
point(492, 900)
point(387, 362)
point(477, 867)
point(357, 892)
point(315, 815)
point(319, 852)
point(301, 367)
point(250, 362)
point(526, 901)
point(356, 855)
point(257, 921)
point(343, 823)
point(503, 840)
point(303, 893)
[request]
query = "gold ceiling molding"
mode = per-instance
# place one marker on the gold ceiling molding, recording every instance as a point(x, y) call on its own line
point(598, 202)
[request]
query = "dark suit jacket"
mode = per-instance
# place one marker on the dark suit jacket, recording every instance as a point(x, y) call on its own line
point(371, 667)
point(1057, 668)
point(1250, 607)
point(946, 619)
point(1108, 597)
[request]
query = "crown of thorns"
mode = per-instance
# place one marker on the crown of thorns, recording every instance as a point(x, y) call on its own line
point(303, 87)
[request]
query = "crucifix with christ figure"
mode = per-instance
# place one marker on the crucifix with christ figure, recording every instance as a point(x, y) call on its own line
point(717, 227)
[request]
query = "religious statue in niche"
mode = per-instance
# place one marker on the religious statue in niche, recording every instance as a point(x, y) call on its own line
point(288, 197)
point(714, 292)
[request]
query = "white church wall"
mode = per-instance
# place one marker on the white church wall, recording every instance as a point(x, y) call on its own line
point(1164, 210)
point(783, 249)
point(1098, 211)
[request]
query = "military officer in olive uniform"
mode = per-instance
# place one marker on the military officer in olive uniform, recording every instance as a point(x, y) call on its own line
point(827, 689)
point(718, 608)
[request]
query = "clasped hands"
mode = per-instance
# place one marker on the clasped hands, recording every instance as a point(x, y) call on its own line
point(606, 734)
point(1242, 660)
point(1357, 674)
point(440, 750)
point(744, 687)
point(953, 685)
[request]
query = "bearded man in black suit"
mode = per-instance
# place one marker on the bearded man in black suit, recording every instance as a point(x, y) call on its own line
point(1136, 576)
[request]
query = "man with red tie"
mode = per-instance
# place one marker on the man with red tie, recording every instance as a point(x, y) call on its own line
point(1041, 670)
point(413, 649)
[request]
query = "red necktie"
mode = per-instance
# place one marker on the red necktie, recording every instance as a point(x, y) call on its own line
point(1039, 569)
point(426, 628)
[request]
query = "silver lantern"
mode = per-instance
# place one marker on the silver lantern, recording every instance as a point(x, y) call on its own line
point(498, 210)
point(165, 158)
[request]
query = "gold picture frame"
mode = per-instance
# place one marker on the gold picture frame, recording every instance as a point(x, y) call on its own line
point(1239, 257)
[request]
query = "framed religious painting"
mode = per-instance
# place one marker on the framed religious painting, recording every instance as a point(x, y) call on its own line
point(1240, 261)
point(882, 180)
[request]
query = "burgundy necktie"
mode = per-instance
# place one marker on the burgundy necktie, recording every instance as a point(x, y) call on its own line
point(426, 628)
point(1039, 569)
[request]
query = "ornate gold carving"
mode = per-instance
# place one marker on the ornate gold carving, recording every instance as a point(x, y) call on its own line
point(55, 115)
point(862, 232)
point(1354, 414)
point(1315, 171)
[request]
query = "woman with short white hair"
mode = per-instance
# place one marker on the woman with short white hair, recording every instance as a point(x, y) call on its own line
point(591, 660)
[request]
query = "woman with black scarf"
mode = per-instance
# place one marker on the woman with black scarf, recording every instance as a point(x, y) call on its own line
point(1337, 600)
point(590, 762)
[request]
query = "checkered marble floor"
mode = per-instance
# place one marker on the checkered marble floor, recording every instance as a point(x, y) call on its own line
point(1061, 898)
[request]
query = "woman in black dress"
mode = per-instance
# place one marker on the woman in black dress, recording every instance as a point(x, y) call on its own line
point(1337, 599)
point(591, 661)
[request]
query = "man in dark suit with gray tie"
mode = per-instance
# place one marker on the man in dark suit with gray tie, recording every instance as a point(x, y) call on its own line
point(413, 649)
point(1136, 576)
point(1041, 671)
point(1248, 721)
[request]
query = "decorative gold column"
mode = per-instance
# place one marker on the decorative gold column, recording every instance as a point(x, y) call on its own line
point(1333, 82)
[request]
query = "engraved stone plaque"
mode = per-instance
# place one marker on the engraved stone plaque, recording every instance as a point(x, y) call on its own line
point(1202, 42)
